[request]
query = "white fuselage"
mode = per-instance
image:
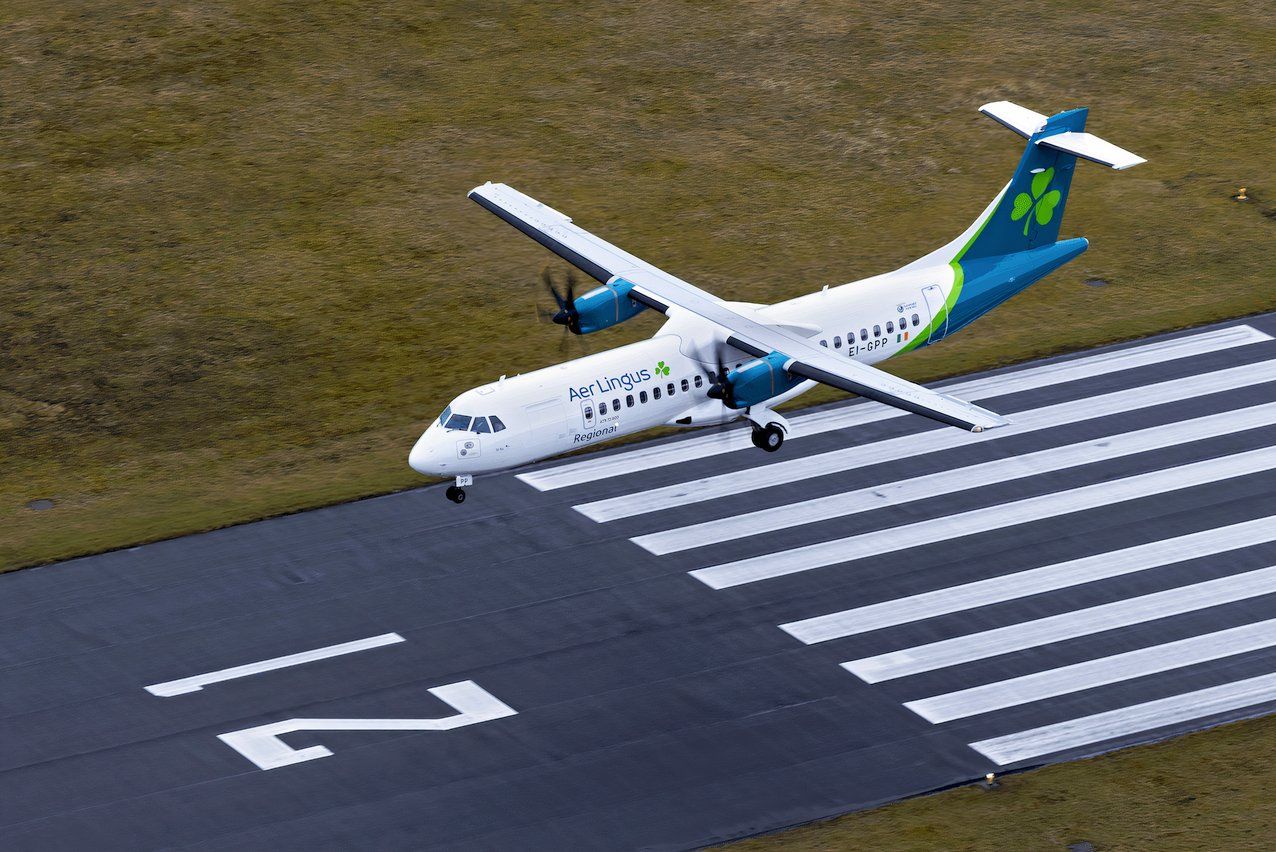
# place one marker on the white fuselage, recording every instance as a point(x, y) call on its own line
point(664, 381)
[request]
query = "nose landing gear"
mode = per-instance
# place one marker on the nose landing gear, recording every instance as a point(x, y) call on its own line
point(456, 493)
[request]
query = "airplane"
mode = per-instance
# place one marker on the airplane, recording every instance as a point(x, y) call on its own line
point(715, 361)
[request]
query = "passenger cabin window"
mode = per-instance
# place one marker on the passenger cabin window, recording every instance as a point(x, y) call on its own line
point(655, 392)
point(670, 388)
point(497, 425)
point(686, 385)
point(642, 397)
point(824, 343)
point(629, 400)
point(890, 328)
point(615, 404)
point(699, 381)
point(480, 425)
point(602, 409)
point(863, 334)
point(837, 341)
point(877, 331)
point(460, 422)
point(916, 320)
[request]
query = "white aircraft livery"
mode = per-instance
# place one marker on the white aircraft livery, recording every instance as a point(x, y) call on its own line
point(714, 361)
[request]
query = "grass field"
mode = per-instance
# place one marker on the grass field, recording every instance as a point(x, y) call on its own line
point(1205, 791)
point(239, 271)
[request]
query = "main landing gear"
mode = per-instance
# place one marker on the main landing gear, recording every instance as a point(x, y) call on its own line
point(456, 493)
point(769, 438)
point(769, 428)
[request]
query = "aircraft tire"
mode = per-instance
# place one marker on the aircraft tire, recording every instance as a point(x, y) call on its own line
point(770, 439)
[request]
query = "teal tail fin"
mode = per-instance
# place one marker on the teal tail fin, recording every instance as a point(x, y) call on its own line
point(1015, 241)
point(1031, 208)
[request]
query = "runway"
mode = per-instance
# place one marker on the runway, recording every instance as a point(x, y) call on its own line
point(675, 643)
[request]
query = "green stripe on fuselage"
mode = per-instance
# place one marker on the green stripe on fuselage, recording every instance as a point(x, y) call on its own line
point(958, 279)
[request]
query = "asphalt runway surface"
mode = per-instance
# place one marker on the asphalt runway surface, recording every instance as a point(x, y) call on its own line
point(675, 643)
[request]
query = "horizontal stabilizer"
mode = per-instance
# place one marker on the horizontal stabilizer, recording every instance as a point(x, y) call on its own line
point(1087, 146)
point(1090, 147)
point(1021, 120)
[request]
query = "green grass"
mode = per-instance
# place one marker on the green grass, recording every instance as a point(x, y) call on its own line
point(239, 272)
point(1209, 790)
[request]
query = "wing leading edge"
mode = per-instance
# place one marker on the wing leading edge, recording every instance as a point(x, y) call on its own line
point(658, 289)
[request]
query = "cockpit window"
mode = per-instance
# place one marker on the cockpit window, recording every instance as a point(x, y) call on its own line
point(480, 425)
point(497, 425)
point(447, 412)
point(458, 421)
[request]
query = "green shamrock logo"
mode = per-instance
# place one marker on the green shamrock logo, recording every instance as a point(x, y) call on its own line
point(662, 369)
point(1040, 200)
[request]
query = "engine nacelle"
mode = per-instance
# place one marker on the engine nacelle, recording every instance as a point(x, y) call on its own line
point(608, 305)
point(760, 380)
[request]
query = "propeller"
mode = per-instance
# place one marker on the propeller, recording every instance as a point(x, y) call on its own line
point(563, 313)
point(721, 387)
point(567, 315)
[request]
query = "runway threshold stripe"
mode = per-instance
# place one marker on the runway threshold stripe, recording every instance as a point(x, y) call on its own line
point(1039, 686)
point(908, 446)
point(1068, 625)
point(1089, 366)
point(1125, 721)
point(1034, 581)
point(197, 682)
point(956, 479)
point(881, 542)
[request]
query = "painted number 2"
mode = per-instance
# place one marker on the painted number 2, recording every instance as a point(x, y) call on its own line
point(261, 745)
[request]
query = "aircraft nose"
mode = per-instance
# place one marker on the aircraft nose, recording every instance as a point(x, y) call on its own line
point(424, 456)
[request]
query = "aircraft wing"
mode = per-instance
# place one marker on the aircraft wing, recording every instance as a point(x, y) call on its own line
point(660, 290)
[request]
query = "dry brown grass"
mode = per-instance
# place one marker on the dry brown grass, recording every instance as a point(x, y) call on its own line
point(1210, 790)
point(239, 269)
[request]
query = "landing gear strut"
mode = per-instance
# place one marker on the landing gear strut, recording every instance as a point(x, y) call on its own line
point(769, 437)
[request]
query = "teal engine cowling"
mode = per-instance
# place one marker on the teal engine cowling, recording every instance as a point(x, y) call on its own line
point(756, 382)
point(604, 307)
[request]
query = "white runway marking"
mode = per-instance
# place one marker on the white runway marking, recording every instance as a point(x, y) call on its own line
point(593, 469)
point(881, 542)
point(956, 479)
point(1147, 716)
point(473, 704)
point(1034, 581)
point(1093, 673)
point(198, 682)
point(907, 446)
point(1068, 625)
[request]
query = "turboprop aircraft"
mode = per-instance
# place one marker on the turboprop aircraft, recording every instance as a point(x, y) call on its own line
point(715, 361)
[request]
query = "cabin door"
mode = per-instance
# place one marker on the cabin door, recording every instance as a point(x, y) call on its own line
point(933, 296)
